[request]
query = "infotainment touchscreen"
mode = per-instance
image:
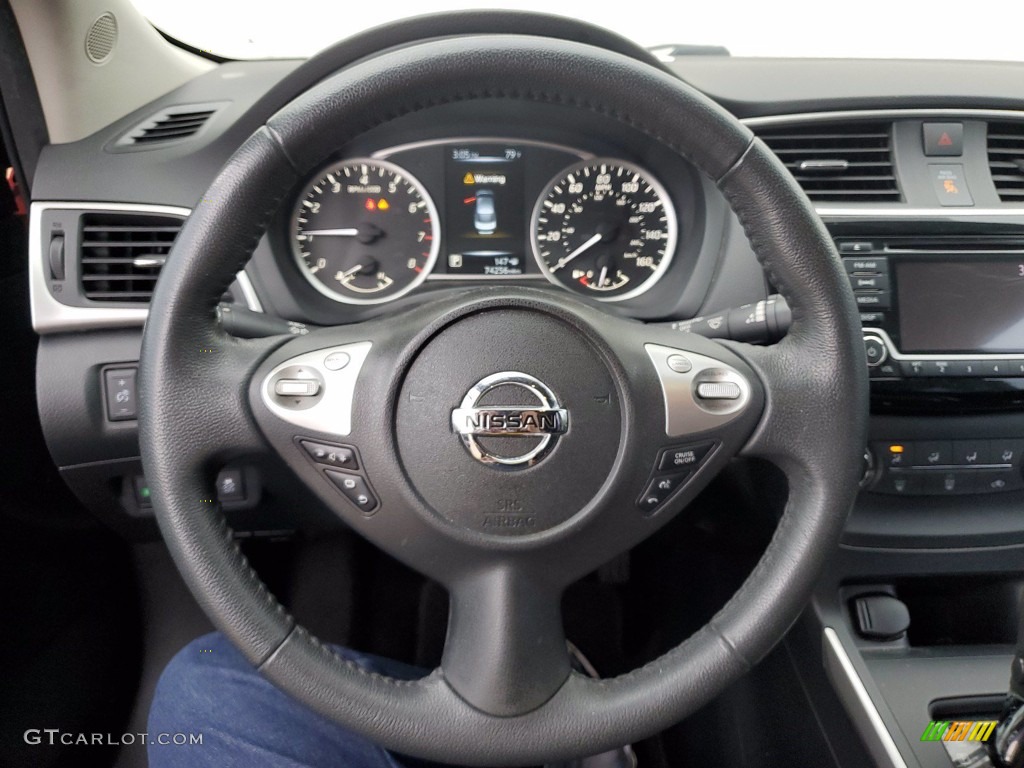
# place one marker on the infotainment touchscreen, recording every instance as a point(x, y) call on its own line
point(961, 307)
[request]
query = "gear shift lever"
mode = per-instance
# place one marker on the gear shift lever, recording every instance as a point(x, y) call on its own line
point(1007, 748)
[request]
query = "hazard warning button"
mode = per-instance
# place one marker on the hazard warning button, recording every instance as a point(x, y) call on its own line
point(943, 139)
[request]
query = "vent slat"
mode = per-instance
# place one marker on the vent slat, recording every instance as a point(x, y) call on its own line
point(1006, 160)
point(812, 152)
point(131, 228)
point(109, 245)
point(173, 124)
point(171, 128)
point(126, 244)
point(838, 161)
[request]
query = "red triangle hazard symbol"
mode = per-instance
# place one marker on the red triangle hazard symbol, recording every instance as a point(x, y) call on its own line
point(945, 141)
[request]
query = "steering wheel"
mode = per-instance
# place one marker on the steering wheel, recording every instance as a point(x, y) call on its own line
point(504, 442)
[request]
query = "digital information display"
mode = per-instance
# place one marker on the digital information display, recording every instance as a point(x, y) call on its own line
point(484, 211)
point(961, 307)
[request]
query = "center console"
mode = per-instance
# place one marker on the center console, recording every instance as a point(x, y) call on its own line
point(919, 606)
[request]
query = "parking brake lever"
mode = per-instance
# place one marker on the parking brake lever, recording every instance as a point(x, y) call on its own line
point(1006, 748)
point(761, 323)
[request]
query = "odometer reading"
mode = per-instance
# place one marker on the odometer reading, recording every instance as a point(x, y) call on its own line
point(604, 228)
point(365, 232)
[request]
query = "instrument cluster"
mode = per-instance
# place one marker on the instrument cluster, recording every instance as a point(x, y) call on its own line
point(368, 230)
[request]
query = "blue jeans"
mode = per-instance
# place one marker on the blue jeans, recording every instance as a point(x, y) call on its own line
point(210, 689)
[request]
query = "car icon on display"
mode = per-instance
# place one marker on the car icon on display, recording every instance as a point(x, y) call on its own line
point(484, 217)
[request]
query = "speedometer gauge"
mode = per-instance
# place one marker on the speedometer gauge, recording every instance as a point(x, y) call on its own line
point(604, 228)
point(364, 232)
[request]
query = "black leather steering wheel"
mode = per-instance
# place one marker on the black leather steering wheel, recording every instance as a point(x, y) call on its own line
point(505, 540)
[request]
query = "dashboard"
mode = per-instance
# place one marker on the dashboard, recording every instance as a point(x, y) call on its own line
point(915, 168)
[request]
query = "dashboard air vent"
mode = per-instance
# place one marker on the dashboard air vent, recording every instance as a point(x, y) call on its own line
point(838, 162)
point(1006, 160)
point(121, 254)
point(172, 124)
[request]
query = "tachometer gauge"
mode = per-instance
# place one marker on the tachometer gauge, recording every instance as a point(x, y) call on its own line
point(604, 228)
point(365, 232)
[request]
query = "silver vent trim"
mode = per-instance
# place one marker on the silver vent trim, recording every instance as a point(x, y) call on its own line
point(52, 316)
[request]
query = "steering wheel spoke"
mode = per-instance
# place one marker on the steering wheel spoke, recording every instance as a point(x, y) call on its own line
point(786, 435)
point(505, 653)
point(212, 376)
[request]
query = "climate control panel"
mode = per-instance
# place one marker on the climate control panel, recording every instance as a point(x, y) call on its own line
point(947, 467)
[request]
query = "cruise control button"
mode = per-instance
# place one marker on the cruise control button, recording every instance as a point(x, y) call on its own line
point(334, 455)
point(354, 488)
point(683, 457)
point(659, 489)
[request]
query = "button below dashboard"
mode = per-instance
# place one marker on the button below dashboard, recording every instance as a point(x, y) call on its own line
point(948, 483)
point(998, 480)
point(937, 453)
point(972, 453)
point(1006, 451)
point(900, 483)
point(894, 454)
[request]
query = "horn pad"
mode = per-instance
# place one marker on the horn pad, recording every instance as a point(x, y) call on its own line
point(509, 422)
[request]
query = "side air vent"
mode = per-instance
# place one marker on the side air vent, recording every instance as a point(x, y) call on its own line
point(1006, 160)
point(838, 162)
point(121, 254)
point(169, 125)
